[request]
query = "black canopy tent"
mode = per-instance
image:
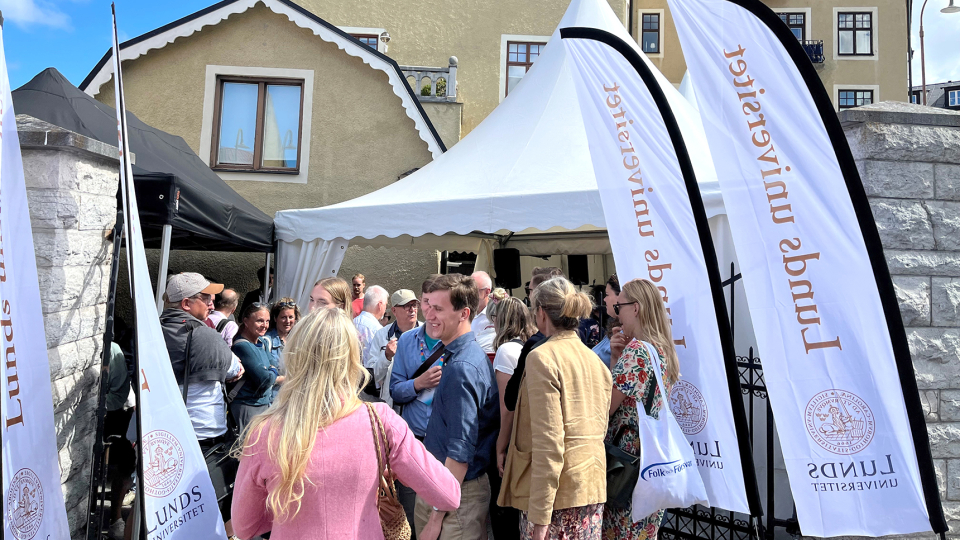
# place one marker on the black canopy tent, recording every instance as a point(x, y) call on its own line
point(183, 204)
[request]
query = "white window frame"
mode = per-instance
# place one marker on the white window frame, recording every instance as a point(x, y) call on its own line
point(206, 129)
point(360, 30)
point(956, 100)
point(504, 38)
point(639, 19)
point(838, 87)
point(807, 19)
point(875, 21)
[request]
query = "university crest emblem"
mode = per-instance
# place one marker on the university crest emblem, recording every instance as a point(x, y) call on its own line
point(839, 421)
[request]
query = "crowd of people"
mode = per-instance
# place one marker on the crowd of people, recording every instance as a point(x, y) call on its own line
point(488, 419)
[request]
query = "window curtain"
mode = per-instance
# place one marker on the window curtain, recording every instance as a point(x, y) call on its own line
point(301, 264)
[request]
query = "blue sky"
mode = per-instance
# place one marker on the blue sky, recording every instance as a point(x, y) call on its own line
point(72, 35)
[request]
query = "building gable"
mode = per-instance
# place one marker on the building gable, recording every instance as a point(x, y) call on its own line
point(217, 13)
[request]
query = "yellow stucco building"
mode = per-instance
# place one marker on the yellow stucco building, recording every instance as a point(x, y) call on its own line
point(306, 103)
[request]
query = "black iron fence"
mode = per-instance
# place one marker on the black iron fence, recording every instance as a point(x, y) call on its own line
point(698, 522)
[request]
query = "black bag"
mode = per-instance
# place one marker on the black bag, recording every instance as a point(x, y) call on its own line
point(623, 472)
point(623, 468)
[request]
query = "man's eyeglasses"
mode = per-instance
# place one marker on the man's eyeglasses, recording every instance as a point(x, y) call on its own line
point(412, 306)
point(616, 307)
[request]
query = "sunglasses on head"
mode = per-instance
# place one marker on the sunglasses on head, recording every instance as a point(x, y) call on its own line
point(284, 305)
point(616, 307)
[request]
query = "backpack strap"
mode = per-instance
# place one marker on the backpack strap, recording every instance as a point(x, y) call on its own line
point(186, 357)
point(222, 324)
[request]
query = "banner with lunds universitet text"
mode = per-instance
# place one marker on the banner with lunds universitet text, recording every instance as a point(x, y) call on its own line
point(178, 499)
point(658, 231)
point(827, 323)
point(33, 505)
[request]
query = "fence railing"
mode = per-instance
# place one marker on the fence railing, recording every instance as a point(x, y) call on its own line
point(433, 83)
point(698, 522)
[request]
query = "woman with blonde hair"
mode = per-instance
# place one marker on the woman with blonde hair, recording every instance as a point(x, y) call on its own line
point(309, 466)
point(554, 472)
point(329, 293)
point(643, 318)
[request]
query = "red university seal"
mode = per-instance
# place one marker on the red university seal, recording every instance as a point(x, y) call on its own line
point(25, 504)
point(839, 421)
point(689, 407)
point(163, 463)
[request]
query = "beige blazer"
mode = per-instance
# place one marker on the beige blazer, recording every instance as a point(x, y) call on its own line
point(556, 458)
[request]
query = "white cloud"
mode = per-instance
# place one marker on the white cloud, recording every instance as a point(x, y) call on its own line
point(941, 37)
point(31, 13)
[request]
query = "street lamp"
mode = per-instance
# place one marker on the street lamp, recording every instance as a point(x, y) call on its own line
point(923, 66)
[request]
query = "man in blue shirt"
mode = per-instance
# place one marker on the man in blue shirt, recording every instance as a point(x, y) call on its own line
point(465, 420)
point(414, 395)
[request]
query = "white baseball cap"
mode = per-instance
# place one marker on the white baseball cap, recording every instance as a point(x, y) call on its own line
point(402, 297)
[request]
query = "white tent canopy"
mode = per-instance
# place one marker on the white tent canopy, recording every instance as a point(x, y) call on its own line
point(526, 169)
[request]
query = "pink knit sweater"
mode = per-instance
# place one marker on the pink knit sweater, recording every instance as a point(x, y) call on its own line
point(342, 478)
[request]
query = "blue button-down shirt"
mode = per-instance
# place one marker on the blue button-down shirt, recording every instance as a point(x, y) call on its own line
point(603, 351)
point(405, 363)
point(466, 417)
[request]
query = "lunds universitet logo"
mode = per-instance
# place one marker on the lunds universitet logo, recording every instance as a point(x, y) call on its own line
point(839, 421)
point(689, 407)
point(163, 463)
point(25, 504)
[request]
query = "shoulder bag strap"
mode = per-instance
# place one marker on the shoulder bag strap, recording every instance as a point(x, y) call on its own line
point(426, 365)
point(243, 380)
point(374, 421)
point(655, 363)
point(186, 362)
point(429, 361)
point(380, 433)
point(222, 324)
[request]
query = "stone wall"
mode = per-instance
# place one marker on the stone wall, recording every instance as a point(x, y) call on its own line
point(71, 191)
point(909, 160)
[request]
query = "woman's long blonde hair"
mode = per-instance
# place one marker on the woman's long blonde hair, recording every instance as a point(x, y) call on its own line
point(513, 320)
point(654, 322)
point(323, 380)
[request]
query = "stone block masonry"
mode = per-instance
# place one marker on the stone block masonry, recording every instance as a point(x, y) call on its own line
point(909, 160)
point(72, 194)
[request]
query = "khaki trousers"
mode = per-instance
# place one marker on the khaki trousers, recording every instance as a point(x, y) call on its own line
point(469, 522)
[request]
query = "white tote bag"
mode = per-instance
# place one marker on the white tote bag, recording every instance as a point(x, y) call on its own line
point(669, 477)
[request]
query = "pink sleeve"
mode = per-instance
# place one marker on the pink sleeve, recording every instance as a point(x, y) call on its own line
point(249, 508)
point(415, 467)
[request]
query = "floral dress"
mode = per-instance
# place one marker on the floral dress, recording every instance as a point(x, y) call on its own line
point(633, 375)
point(578, 523)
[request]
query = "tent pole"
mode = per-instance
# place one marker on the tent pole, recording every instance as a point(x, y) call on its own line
point(164, 264)
point(265, 291)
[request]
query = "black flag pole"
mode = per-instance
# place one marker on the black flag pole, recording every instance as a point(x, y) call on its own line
point(128, 222)
point(98, 469)
point(706, 244)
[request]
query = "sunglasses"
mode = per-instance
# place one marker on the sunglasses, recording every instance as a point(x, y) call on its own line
point(284, 305)
point(616, 307)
